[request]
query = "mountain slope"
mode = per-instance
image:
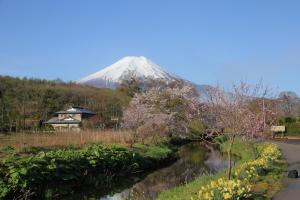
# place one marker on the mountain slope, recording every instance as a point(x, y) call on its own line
point(139, 67)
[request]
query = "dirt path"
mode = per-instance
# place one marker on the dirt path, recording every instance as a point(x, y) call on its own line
point(291, 150)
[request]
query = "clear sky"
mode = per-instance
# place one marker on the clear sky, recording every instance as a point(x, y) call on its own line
point(203, 41)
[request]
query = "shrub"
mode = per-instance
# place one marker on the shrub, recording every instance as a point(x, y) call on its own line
point(290, 120)
point(47, 172)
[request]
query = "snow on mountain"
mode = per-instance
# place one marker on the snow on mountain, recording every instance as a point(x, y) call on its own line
point(138, 66)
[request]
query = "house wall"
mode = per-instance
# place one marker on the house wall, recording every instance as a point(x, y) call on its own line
point(77, 116)
point(66, 127)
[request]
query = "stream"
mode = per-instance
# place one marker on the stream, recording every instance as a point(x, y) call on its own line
point(195, 159)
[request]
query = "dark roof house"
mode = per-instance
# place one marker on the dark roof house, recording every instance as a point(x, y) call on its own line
point(70, 119)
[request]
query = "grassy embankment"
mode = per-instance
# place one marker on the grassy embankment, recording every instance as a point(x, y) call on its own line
point(265, 177)
point(56, 170)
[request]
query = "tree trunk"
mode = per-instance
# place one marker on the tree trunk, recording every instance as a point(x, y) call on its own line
point(229, 157)
point(254, 151)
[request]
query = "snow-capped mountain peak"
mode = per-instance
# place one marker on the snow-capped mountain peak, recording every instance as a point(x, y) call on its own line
point(137, 66)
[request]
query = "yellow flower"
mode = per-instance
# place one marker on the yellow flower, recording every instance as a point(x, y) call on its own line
point(213, 184)
point(227, 196)
point(240, 191)
point(240, 187)
point(207, 196)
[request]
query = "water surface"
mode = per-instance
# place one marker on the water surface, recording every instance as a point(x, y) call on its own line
point(195, 159)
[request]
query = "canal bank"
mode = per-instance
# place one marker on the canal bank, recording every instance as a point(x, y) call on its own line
point(59, 173)
point(145, 171)
point(254, 176)
point(194, 160)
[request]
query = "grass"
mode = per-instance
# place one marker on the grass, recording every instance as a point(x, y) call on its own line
point(186, 191)
point(60, 139)
point(240, 149)
point(266, 187)
point(153, 150)
point(24, 143)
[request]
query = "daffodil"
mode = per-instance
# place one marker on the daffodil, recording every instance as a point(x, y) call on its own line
point(227, 196)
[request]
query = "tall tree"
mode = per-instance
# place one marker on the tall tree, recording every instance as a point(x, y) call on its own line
point(167, 110)
point(233, 112)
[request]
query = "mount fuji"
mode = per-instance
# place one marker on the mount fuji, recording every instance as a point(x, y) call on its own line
point(142, 69)
point(139, 67)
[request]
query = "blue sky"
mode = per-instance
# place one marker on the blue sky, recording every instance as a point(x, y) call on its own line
point(207, 42)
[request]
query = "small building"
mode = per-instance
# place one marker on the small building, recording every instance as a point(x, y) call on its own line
point(70, 119)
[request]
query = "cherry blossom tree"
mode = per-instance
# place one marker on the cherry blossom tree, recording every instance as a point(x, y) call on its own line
point(241, 112)
point(164, 111)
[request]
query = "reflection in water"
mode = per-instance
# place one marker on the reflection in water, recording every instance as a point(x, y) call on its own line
point(215, 162)
point(195, 159)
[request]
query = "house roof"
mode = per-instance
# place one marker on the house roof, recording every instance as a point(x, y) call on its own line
point(66, 120)
point(76, 110)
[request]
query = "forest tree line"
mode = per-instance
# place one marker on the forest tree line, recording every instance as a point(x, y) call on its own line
point(26, 103)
